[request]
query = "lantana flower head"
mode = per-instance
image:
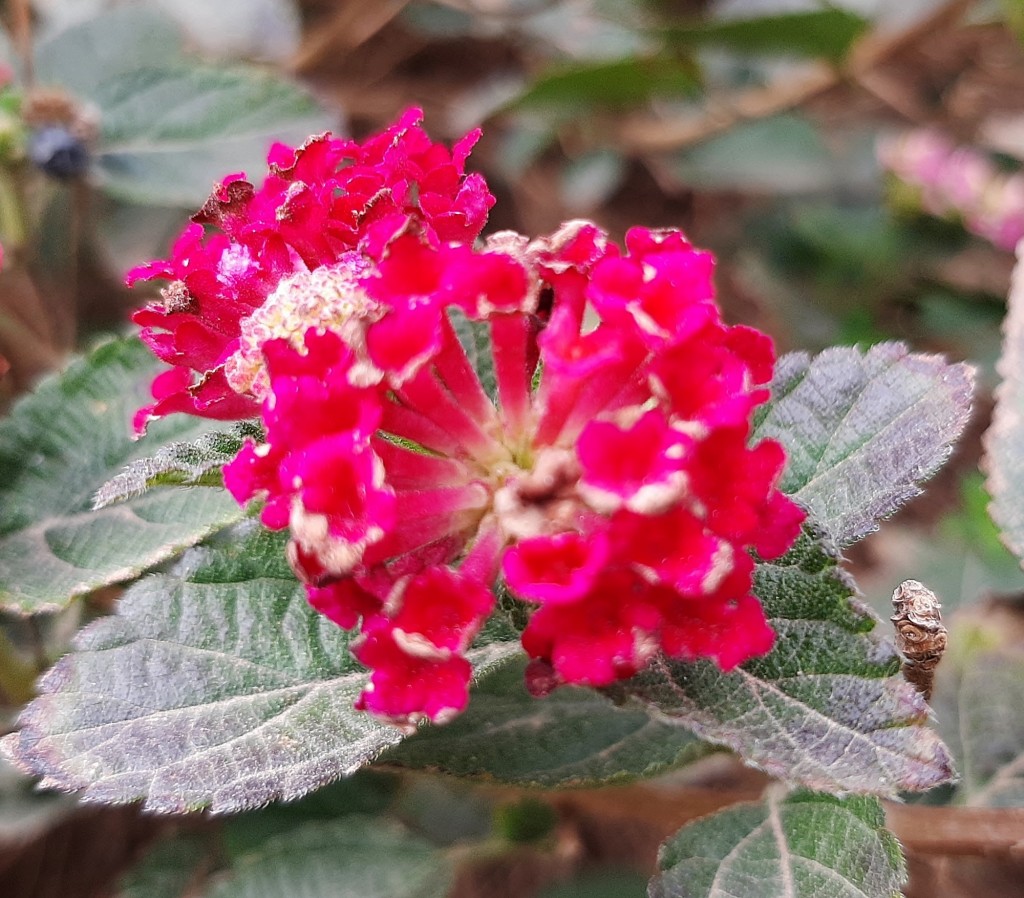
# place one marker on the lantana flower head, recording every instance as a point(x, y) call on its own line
point(447, 421)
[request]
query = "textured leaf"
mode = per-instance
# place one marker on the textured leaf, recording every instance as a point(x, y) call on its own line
point(573, 737)
point(826, 708)
point(827, 33)
point(169, 127)
point(350, 858)
point(800, 846)
point(214, 685)
point(56, 449)
point(862, 430)
point(195, 463)
point(475, 337)
point(169, 134)
point(1004, 441)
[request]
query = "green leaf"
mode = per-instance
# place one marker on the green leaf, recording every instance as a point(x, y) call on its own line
point(169, 134)
point(1013, 12)
point(827, 33)
point(172, 869)
point(215, 685)
point(58, 447)
point(88, 53)
point(781, 154)
point(620, 83)
point(573, 737)
point(367, 792)
point(170, 127)
point(195, 463)
point(826, 708)
point(862, 430)
point(979, 703)
point(349, 858)
point(798, 846)
point(985, 721)
point(600, 883)
point(475, 337)
point(25, 813)
point(1004, 441)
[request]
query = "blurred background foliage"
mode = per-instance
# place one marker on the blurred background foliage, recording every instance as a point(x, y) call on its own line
point(771, 131)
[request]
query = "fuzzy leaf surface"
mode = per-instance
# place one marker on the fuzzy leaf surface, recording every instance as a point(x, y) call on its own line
point(862, 430)
point(193, 463)
point(826, 708)
point(348, 858)
point(215, 685)
point(573, 737)
point(1004, 440)
point(804, 845)
point(59, 445)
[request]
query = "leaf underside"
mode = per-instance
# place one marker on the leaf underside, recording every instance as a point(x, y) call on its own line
point(1004, 440)
point(183, 463)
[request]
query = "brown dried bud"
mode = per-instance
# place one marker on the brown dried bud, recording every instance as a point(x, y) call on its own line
point(53, 106)
point(920, 634)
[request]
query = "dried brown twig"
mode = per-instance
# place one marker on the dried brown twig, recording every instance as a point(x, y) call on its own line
point(720, 114)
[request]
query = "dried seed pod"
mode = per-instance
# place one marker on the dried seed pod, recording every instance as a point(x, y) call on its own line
point(920, 634)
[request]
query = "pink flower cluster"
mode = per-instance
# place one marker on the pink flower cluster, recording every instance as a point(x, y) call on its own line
point(959, 181)
point(601, 474)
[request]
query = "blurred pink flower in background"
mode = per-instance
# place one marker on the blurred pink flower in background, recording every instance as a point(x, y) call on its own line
point(958, 181)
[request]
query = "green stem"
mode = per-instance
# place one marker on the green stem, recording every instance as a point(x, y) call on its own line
point(12, 213)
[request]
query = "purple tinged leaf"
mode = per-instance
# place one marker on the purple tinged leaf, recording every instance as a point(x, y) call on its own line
point(862, 429)
point(826, 708)
point(1004, 441)
point(215, 685)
